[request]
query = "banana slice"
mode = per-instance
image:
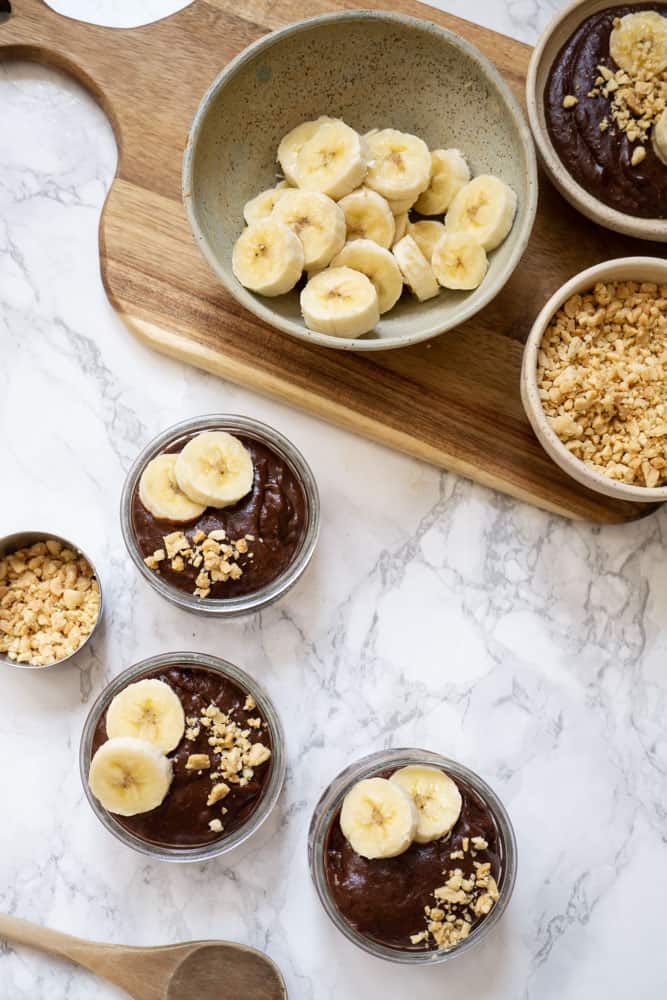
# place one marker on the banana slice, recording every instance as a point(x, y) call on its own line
point(368, 217)
point(485, 209)
point(129, 776)
point(332, 162)
point(292, 144)
point(415, 268)
point(399, 167)
point(147, 710)
point(401, 222)
point(426, 234)
point(459, 261)
point(261, 206)
point(340, 302)
point(268, 257)
point(160, 493)
point(638, 44)
point(401, 205)
point(378, 818)
point(378, 264)
point(449, 172)
point(215, 469)
point(436, 796)
point(660, 137)
point(317, 221)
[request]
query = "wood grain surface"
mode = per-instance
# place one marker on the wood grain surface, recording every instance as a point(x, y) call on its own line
point(453, 401)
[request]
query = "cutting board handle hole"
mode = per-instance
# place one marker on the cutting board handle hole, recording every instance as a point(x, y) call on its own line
point(5, 10)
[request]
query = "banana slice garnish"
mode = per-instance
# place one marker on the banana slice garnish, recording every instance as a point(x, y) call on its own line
point(292, 144)
point(416, 269)
point(147, 710)
point(368, 217)
point(437, 799)
point(318, 222)
point(399, 165)
point(261, 206)
point(268, 257)
point(659, 138)
point(215, 469)
point(426, 233)
point(378, 264)
point(449, 173)
point(459, 262)
point(484, 208)
point(340, 302)
point(332, 161)
point(160, 493)
point(378, 818)
point(129, 776)
point(638, 43)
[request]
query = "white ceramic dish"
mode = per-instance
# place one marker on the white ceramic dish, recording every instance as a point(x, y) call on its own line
point(626, 268)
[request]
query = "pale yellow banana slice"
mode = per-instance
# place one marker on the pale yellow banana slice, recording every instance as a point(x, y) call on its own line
point(215, 469)
point(485, 209)
point(332, 162)
point(449, 172)
point(160, 493)
point(415, 268)
point(292, 144)
point(459, 262)
point(399, 165)
point(401, 222)
point(378, 264)
point(378, 818)
point(426, 234)
point(129, 776)
point(400, 205)
point(318, 222)
point(148, 710)
point(659, 137)
point(261, 206)
point(368, 217)
point(436, 796)
point(340, 302)
point(638, 44)
point(268, 257)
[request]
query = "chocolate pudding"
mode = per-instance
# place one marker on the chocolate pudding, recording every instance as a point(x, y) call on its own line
point(270, 522)
point(585, 133)
point(385, 899)
point(184, 818)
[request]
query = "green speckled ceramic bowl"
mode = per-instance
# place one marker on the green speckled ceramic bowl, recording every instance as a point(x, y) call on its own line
point(375, 70)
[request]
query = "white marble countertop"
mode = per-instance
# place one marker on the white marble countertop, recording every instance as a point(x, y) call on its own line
point(448, 616)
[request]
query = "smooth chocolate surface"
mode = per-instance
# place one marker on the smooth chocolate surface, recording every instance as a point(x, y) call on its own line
point(182, 819)
point(601, 160)
point(384, 899)
point(275, 512)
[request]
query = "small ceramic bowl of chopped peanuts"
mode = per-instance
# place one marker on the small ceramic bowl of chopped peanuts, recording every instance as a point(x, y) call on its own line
point(50, 600)
point(594, 378)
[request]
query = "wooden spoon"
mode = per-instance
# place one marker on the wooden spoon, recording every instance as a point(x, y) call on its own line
point(206, 970)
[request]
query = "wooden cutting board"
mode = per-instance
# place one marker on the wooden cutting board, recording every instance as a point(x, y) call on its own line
point(454, 401)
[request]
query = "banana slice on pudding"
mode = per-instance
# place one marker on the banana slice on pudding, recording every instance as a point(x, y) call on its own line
point(129, 776)
point(436, 796)
point(160, 493)
point(378, 818)
point(215, 469)
point(147, 710)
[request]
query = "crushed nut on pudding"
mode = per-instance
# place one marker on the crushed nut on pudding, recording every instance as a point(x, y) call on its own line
point(216, 557)
point(49, 603)
point(602, 380)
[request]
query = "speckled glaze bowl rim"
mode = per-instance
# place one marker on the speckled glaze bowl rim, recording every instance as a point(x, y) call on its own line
point(330, 802)
point(19, 539)
point(271, 791)
point(610, 270)
point(524, 220)
point(572, 191)
point(226, 607)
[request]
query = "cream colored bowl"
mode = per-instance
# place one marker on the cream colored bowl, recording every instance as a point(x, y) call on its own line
point(372, 69)
point(552, 40)
point(625, 269)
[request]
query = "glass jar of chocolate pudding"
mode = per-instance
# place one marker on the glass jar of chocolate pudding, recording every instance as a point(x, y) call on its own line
point(406, 907)
point(249, 546)
point(203, 810)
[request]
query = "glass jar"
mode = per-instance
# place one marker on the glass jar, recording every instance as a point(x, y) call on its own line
point(327, 809)
point(247, 427)
point(270, 792)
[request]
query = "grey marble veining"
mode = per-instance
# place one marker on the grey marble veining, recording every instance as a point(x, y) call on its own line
point(436, 613)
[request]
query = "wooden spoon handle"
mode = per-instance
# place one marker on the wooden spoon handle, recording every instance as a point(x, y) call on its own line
point(23, 932)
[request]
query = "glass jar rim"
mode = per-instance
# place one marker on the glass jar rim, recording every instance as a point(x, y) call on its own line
point(227, 607)
point(271, 791)
point(330, 802)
